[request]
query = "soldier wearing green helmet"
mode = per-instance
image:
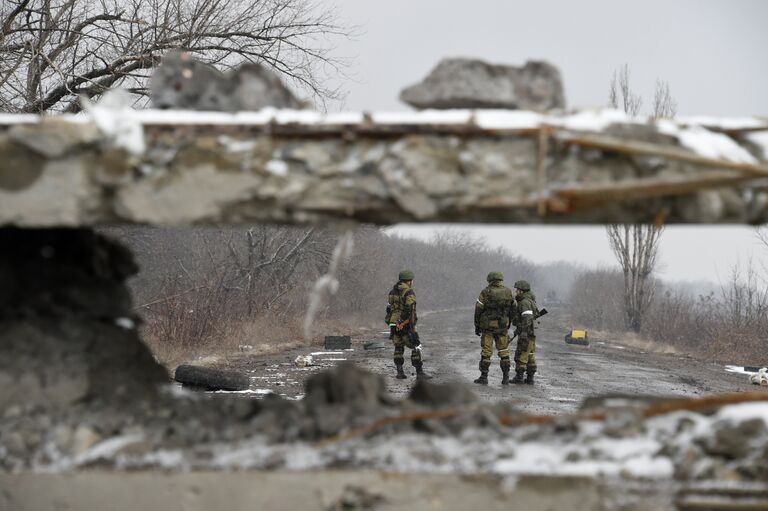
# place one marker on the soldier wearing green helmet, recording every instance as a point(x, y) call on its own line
point(494, 310)
point(526, 312)
point(401, 318)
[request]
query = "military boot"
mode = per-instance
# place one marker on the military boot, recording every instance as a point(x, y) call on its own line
point(519, 376)
point(421, 375)
point(483, 379)
point(529, 378)
point(505, 376)
point(400, 372)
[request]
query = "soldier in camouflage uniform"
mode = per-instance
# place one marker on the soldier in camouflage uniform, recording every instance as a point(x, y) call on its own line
point(526, 313)
point(494, 311)
point(402, 319)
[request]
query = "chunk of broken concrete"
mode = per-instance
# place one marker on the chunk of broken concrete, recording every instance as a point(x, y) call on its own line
point(473, 83)
point(181, 81)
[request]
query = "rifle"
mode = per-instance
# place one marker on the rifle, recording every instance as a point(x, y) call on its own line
point(542, 312)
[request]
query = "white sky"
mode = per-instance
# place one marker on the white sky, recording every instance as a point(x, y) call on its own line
point(686, 253)
point(712, 53)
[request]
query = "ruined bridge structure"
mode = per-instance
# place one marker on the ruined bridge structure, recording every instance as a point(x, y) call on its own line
point(160, 167)
point(73, 371)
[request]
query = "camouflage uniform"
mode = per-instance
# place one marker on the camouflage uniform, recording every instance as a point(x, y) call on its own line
point(494, 310)
point(526, 313)
point(402, 319)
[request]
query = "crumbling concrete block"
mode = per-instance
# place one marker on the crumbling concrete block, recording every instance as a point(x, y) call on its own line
point(473, 83)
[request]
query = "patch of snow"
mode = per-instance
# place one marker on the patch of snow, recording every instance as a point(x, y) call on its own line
point(760, 139)
point(107, 448)
point(233, 145)
point(334, 359)
point(11, 119)
point(737, 369)
point(563, 399)
point(166, 459)
point(726, 123)
point(423, 117)
point(649, 467)
point(258, 392)
point(743, 412)
point(277, 168)
point(592, 120)
point(114, 117)
point(125, 323)
point(707, 143)
point(334, 352)
point(508, 119)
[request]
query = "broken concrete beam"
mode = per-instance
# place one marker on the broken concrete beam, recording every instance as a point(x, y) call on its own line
point(338, 342)
point(300, 167)
point(473, 83)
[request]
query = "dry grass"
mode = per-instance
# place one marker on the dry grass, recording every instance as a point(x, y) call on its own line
point(632, 340)
point(245, 338)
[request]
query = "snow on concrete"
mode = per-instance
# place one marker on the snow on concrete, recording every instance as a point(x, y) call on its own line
point(726, 123)
point(592, 120)
point(114, 117)
point(707, 143)
point(277, 168)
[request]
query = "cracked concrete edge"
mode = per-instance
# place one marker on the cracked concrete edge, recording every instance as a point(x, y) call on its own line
point(61, 173)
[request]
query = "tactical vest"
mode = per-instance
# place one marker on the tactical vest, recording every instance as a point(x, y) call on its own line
point(527, 301)
point(495, 313)
point(396, 303)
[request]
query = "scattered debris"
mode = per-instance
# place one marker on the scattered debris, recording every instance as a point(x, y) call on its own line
point(356, 498)
point(304, 361)
point(760, 378)
point(374, 345)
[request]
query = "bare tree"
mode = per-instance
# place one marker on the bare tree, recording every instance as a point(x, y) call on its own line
point(622, 97)
point(52, 51)
point(664, 105)
point(636, 247)
point(620, 94)
point(762, 235)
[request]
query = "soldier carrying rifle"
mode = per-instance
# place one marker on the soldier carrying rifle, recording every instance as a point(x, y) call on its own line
point(401, 318)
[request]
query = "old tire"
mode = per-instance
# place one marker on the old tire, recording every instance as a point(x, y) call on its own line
point(211, 379)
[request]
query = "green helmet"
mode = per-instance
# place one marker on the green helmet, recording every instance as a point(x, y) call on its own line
point(523, 285)
point(494, 275)
point(406, 275)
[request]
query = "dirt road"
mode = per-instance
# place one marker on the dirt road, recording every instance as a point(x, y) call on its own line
point(567, 373)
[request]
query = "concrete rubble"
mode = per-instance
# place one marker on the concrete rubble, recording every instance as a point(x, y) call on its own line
point(448, 166)
point(473, 83)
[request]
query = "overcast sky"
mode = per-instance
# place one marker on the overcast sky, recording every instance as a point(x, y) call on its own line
point(713, 53)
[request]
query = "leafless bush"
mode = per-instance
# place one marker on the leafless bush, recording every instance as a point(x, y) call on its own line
point(621, 96)
point(729, 326)
point(664, 105)
point(620, 93)
point(52, 52)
